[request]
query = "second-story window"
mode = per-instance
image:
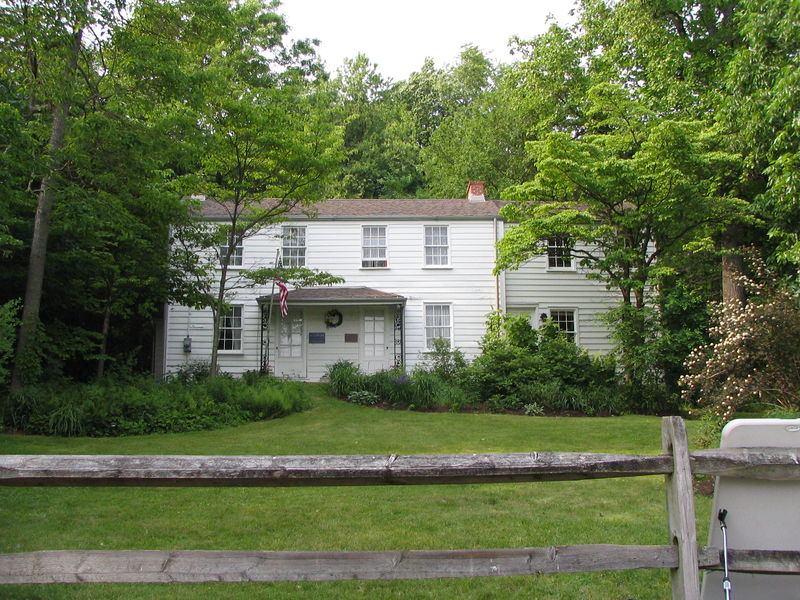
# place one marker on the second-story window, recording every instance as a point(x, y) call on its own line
point(373, 246)
point(294, 246)
point(559, 252)
point(437, 248)
point(235, 259)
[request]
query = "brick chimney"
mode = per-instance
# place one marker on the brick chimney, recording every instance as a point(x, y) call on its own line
point(475, 191)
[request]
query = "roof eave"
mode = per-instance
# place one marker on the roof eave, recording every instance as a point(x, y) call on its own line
point(339, 301)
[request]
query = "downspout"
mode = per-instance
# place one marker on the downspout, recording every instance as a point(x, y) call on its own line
point(165, 342)
point(496, 277)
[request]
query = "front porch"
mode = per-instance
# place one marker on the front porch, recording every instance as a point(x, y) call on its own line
point(327, 324)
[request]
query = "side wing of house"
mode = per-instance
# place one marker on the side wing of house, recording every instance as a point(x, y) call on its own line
point(554, 286)
point(414, 270)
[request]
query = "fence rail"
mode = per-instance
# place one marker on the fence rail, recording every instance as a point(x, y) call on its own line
point(336, 470)
point(683, 557)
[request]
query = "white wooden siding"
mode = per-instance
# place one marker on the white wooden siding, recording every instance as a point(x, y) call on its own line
point(467, 284)
point(533, 286)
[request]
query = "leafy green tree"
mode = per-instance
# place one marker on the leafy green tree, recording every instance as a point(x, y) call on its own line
point(633, 189)
point(671, 53)
point(47, 43)
point(485, 137)
point(427, 99)
point(263, 145)
point(109, 208)
point(141, 133)
point(673, 57)
point(761, 103)
point(380, 158)
point(8, 326)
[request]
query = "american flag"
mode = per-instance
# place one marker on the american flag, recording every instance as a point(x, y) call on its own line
point(283, 295)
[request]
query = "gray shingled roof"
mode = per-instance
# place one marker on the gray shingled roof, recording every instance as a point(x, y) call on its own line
point(337, 294)
point(380, 208)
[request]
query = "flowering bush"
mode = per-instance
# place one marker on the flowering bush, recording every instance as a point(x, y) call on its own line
point(754, 353)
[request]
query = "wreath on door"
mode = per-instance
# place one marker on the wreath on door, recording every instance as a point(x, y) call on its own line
point(333, 318)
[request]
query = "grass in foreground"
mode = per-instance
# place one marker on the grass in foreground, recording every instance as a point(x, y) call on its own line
point(618, 511)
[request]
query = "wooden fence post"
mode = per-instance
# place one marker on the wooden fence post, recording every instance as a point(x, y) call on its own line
point(685, 578)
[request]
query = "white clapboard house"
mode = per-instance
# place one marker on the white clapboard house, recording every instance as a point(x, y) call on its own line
point(414, 270)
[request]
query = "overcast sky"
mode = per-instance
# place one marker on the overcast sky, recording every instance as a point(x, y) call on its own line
point(399, 34)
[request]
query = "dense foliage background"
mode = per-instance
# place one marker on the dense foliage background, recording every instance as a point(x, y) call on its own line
point(648, 125)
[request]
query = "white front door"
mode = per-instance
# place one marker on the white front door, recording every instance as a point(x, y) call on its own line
point(375, 354)
point(291, 359)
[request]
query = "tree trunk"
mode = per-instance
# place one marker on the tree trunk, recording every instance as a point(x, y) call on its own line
point(217, 316)
point(217, 312)
point(101, 362)
point(41, 224)
point(732, 267)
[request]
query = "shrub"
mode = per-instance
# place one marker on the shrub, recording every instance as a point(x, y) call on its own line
point(443, 362)
point(421, 389)
point(344, 377)
point(424, 389)
point(382, 384)
point(8, 330)
point(600, 401)
point(455, 398)
point(754, 353)
point(191, 372)
point(364, 398)
point(106, 408)
point(516, 355)
point(500, 370)
point(400, 393)
point(502, 403)
point(549, 394)
point(533, 410)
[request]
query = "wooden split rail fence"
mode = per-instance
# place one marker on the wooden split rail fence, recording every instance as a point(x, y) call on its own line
point(682, 555)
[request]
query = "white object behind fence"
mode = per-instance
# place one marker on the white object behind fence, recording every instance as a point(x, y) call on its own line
point(761, 514)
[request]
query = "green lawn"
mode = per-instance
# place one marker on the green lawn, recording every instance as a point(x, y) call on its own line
point(618, 511)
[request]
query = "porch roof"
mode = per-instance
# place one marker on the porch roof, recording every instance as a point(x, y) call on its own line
point(336, 295)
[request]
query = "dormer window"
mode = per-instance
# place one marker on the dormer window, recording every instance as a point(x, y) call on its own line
point(559, 252)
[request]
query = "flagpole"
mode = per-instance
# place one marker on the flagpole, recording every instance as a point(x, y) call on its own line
point(269, 313)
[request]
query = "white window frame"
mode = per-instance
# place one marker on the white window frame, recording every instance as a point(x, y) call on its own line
point(237, 256)
point(293, 234)
point(231, 333)
point(291, 347)
point(364, 247)
point(427, 326)
point(426, 246)
point(555, 315)
point(559, 249)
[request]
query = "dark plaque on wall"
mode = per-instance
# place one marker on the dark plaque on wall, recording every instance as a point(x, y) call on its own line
point(316, 337)
point(350, 338)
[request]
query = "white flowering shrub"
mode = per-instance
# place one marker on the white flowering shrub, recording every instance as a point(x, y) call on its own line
point(753, 355)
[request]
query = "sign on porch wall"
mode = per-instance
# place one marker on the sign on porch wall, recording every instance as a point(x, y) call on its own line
point(350, 338)
point(316, 337)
